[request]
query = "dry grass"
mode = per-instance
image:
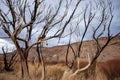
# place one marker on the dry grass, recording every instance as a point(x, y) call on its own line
point(109, 70)
point(54, 72)
point(106, 69)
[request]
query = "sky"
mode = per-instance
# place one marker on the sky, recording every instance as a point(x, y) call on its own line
point(115, 27)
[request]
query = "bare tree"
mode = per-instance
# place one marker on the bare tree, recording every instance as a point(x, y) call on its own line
point(21, 18)
point(103, 25)
point(41, 59)
point(9, 62)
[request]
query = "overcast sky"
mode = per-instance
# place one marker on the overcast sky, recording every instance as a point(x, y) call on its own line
point(115, 27)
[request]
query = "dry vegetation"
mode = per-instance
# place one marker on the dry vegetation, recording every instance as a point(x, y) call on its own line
point(39, 19)
point(109, 70)
point(107, 66)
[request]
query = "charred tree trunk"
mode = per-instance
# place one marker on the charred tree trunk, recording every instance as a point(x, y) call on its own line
point(8, 62)
point(5, 63)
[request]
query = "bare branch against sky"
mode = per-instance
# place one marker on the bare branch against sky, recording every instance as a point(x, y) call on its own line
point(28, 23)
point(115, 24)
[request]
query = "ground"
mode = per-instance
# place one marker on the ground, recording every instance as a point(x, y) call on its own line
point(107, 66)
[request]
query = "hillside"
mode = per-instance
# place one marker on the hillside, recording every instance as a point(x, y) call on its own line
point(106, 68)
point(57, 53)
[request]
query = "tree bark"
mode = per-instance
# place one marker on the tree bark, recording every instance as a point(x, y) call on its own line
point(40, 56)
point(24, 65)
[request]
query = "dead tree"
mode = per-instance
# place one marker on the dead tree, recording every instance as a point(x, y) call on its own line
point(21, 18)
point(103, 25)
point(9, 61)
